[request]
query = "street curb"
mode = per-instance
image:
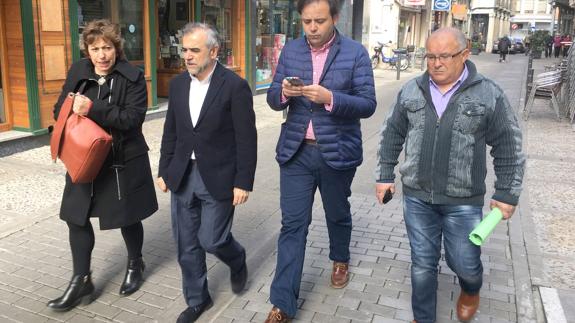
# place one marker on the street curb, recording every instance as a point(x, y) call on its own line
point(528, 302)
point(525, 252)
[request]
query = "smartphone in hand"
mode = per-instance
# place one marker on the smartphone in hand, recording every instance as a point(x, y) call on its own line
point(294, 81)
point(387, 197)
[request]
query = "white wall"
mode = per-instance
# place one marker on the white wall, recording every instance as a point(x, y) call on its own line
point(482, 3)
point(383, 22)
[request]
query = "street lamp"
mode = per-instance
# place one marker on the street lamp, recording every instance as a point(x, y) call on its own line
point(553, 17)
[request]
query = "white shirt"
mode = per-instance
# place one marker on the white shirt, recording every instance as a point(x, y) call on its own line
point(198, 91)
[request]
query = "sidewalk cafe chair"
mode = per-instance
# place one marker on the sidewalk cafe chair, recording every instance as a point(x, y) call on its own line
point(545, 86)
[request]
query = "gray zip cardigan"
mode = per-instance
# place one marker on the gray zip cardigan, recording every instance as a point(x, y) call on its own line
point(445, 158)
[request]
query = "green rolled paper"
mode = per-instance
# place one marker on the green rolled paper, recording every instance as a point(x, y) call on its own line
point(484, 229)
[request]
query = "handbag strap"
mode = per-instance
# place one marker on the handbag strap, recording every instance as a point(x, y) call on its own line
point(65, 111)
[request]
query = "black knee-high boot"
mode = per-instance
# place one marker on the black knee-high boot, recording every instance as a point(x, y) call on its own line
point(134, 278)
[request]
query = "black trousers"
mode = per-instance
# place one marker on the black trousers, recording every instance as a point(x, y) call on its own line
point(82, 242)
point(556, 51)
point(548, 50)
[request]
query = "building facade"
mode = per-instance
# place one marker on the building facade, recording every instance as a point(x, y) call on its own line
point(531, 15)
point(40, 39)
point(563, 15)
point(395, 23)
point(490, 20)
point(403, 23)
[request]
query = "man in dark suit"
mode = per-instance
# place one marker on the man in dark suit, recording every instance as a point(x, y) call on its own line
point(208, 161)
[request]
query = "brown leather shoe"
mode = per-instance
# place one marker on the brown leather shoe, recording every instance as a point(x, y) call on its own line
point(467, 306)
point(339, 275)
point(277, 316)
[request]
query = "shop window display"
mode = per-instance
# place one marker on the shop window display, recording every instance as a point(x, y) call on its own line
point(344, 24)
point(278, 22)
point(127, 13)
point(218, 13)
point(172, 16)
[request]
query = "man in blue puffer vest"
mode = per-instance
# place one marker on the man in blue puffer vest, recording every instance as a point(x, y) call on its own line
point(325, 81)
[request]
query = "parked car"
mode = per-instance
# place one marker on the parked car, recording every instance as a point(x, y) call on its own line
point(517, 46)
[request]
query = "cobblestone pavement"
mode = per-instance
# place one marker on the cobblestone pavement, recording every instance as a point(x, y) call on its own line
point(35, 263)
point(550, 195)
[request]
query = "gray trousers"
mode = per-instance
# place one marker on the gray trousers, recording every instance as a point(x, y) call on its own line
point(199, 224)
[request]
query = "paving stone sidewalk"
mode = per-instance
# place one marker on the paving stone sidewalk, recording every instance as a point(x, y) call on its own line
point(35, 267)
point(379, 288)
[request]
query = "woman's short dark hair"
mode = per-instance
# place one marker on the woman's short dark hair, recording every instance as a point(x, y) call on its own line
point(105, 29)
point(334, 6)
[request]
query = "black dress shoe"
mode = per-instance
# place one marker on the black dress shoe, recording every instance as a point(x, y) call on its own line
point(239, 279)
point(134, 276)
point(191, 314)
point(79, 291)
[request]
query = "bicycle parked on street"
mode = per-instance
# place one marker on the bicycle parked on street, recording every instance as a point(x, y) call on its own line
point(399, 55)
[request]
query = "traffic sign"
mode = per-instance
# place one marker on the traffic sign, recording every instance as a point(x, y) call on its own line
point(442, 5)
point(514, 26)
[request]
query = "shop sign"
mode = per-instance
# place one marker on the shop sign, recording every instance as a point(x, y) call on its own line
point(414, 2)
point(441, 5)
point(459, 11)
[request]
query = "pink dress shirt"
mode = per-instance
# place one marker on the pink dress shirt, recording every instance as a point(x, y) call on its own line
point(318, 58)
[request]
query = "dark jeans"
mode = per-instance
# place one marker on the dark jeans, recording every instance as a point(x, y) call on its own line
point(502, 55)
point(556, 51)
point(299, 179)
point(202, 224)
point(426, 225)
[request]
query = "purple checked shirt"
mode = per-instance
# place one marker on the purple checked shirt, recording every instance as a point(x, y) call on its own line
point(440, 100)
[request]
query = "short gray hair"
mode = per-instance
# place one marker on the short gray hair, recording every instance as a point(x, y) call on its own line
point(213, 36)
point(458, 34)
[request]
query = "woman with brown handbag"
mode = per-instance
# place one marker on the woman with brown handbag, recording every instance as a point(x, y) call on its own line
point(114, 96)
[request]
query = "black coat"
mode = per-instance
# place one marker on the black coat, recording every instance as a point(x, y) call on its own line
point(128, 196)
point(224, 138)
point(504, 44)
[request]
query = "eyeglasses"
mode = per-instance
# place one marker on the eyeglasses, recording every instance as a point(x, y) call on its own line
point(443, 58)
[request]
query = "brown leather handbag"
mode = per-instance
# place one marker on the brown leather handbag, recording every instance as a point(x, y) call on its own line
point(79, 143)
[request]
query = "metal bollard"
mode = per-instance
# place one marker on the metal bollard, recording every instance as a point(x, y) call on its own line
point(528, 84)
point(398, 65)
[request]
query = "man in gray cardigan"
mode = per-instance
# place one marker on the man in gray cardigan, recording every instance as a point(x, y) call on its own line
point(446, 117)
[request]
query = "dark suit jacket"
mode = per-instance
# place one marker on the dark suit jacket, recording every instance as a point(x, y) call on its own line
point(224, 138)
